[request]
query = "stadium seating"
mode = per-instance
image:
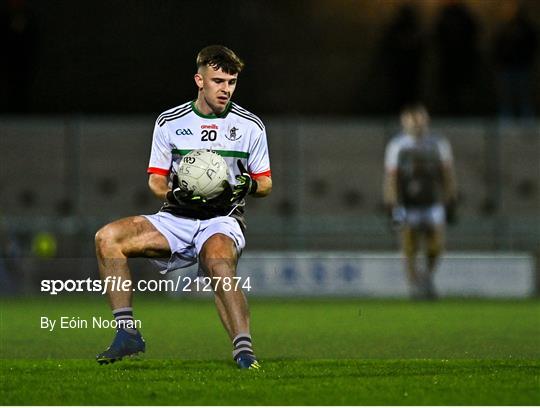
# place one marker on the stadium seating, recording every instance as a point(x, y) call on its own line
point(327, 176)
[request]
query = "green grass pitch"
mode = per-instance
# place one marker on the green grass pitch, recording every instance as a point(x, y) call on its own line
point(313, 352)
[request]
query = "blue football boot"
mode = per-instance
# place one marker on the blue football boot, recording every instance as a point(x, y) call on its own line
point(247, 361)
point(123, 345)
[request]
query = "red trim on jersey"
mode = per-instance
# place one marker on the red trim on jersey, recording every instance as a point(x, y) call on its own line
point(267, 173)
point(157, 170)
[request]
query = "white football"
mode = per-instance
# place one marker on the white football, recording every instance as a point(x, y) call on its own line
point(203, 172)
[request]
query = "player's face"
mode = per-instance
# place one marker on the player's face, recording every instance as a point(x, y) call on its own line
point(415, 122)
point(216, 87)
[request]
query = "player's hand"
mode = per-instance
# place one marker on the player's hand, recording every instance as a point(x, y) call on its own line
point(245, 184)
point(180, 195)
point(224, 199)
point(397, 217)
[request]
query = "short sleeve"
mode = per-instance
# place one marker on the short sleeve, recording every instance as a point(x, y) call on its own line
point(391, 156)
point(161, 154)
point(445, 151)
point(259, 160)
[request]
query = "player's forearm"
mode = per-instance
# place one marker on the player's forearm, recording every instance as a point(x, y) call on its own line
point(159, 185)
point(264, 186)
point(390, 190)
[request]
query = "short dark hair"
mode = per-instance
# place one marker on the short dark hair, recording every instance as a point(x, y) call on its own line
point(413, 108)
point(220, 57)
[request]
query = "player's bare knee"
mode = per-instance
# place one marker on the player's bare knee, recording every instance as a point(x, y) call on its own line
point(218, 268)
point(219, 248)
point(107, 240)
point(409, 247)
point(435, 244)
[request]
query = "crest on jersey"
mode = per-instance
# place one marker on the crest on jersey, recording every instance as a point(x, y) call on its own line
point(233, 135)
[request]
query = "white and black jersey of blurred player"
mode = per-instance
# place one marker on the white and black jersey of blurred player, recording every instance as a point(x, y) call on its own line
point(420, 194)
point(188, 228)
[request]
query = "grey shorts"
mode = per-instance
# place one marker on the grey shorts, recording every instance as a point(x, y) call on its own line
point(186, 236)
point(419, 217)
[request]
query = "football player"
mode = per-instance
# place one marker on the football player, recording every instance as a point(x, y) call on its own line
point(420, 194)
point(189, 228)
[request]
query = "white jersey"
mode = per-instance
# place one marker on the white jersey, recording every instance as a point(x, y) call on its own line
point(418, 164)
point(404, 141)
point(236, 134)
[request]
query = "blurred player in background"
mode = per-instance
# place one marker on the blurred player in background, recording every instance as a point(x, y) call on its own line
point(420, 195)
point(189, 228)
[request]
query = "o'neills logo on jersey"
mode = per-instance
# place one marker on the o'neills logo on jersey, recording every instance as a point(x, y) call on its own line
point(233, 135)
point(184, 132)
point(212, 126)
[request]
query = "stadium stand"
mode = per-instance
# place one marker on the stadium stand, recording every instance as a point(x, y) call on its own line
point(82, 172)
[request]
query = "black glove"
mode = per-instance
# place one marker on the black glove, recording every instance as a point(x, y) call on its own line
point(245, 184)
point(181, 195)
point(224, 200)
point(450, 210)
point(398, 215)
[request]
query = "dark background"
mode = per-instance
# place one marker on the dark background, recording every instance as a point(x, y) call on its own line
point(81, 83)
point(303, 57)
